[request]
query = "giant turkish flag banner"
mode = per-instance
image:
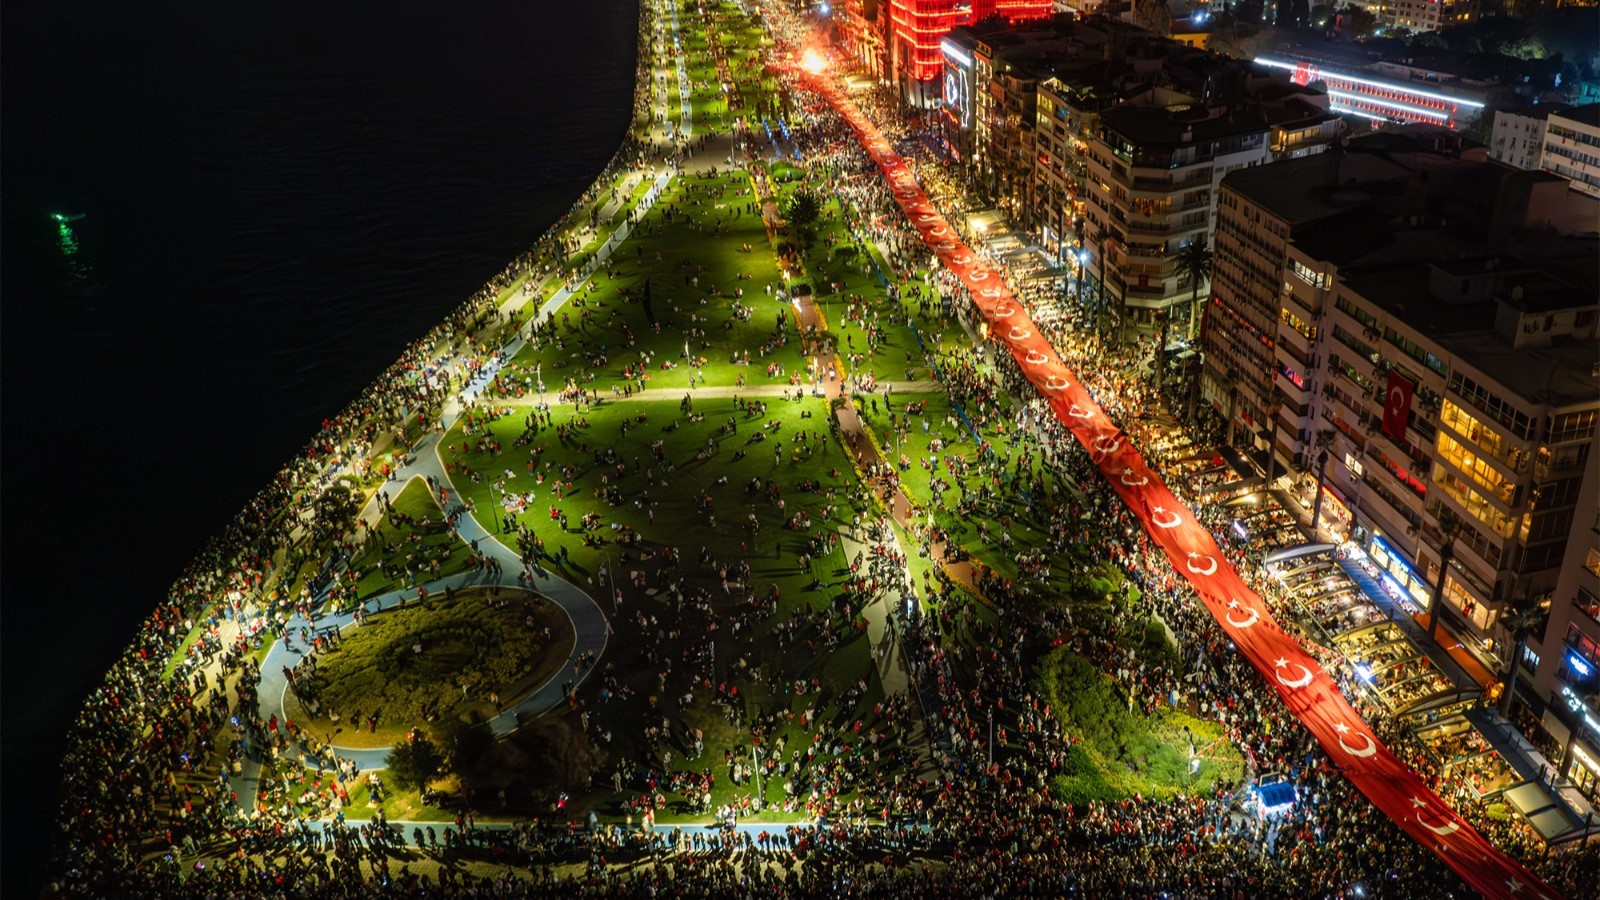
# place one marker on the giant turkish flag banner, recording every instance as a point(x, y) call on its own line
point(1397, 405)
point(1287, 668)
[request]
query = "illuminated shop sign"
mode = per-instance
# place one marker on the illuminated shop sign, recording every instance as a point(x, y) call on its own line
point(957, 83)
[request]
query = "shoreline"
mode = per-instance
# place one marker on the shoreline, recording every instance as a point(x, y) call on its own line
point(238, 563)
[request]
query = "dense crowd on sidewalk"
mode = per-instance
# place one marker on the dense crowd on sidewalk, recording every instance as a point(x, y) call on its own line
point(147, 813)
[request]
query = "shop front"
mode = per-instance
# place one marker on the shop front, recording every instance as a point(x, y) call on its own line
point(1403, 582)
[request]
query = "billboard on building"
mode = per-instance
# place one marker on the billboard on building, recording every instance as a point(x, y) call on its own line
point(957, 83)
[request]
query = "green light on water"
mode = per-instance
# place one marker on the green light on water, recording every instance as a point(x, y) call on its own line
point(67, 240)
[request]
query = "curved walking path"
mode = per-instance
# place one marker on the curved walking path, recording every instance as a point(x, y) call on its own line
point(1308, 691)
point(590, 629)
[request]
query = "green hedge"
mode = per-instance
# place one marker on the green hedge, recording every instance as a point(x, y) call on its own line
point(1120, 752)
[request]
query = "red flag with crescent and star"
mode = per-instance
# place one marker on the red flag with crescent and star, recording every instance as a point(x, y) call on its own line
point(1397, 405)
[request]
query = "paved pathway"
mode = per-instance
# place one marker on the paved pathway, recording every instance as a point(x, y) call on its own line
point(721, 391)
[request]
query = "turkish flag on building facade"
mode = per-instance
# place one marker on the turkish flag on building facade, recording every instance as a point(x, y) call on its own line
point(1397, 405)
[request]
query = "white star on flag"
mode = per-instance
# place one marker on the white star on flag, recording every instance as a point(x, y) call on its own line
point(1418, 802)
point(1342, 728)
point(1282, 661)
point(1514, 885)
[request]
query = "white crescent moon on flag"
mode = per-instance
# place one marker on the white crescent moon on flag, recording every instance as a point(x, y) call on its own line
point(1249, 622)
point(1056, 383)
point(1173, 520)
point(1004, 311)
point(1209, 569)
point(1370, 748)
point(1035, 358)
point(1018, 333)
point(1078, 412)
point(1397, 399)
point(1306, 677)
point(1141, 481)
point(1101, 444)
point(1447, 828)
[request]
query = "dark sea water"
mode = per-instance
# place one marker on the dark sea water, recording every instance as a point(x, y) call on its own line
point(275, 199)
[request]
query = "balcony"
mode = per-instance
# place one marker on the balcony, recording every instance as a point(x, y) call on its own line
point(1164, 186)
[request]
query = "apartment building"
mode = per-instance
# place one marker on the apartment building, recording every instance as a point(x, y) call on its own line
point(1572, 147)
point(1152, 173)
point(1429, 15)
point(1068, 115)
point(1566, 680)
point(863, 26)
point(1436, 312)
point(1517, 138)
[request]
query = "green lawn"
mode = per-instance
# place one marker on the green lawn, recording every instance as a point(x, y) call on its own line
point(691, 249)
point(1118, 752)
point(412, 537)
point(398, 805)
point(462, 657)
point(706, 509)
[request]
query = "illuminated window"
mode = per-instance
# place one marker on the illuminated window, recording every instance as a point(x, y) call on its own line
point(1486, 439)
point(1478, 470)
point(1476, 505)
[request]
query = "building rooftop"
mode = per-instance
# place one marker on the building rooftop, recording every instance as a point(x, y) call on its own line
point(1158, 126)
point(1561, 374)
point(1588, 114)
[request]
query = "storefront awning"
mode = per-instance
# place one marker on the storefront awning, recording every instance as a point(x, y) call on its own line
point(1545, 813)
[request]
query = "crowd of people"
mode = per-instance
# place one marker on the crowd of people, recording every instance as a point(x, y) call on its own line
point(151, 782)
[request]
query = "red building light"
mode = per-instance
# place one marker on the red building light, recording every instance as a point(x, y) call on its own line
point(919, 25)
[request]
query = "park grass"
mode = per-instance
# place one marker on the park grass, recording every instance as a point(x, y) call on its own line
point(668, 485)
point(1120, 752)
point(414, 533)
point(470, 651)
point(689, 249)
point(897, 427)
point(679, 522)
point(397, 805)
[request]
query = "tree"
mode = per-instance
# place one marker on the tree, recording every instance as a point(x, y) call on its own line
point(803, 211)
point(1323, 440)
point(414, 762)
point(1449, 528)
point(1194, 268)
point(466, 746)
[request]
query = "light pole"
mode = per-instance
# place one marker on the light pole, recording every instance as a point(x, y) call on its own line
point(991, 735)
point(755, 768)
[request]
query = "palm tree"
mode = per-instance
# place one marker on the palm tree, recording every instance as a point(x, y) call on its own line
point(1521, 619)
point(1449, 528)
point(1323, 440)
point(1194, 267)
